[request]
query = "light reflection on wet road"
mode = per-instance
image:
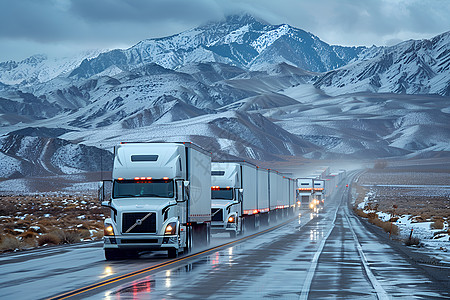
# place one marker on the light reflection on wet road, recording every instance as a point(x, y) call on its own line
point(276, 264)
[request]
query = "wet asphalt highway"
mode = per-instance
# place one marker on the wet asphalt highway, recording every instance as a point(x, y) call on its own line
point(325, 255)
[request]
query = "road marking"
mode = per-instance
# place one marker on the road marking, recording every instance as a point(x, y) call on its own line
point(381, 293)
point(312, 268)
point(106, 282)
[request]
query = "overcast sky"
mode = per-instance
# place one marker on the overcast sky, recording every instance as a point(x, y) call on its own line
point(62, 27)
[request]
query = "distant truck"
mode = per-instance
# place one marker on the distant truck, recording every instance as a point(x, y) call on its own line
point(160, 199)
point(319, 193)
point(305, 189)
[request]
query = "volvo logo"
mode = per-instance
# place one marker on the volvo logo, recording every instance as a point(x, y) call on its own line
point(139, 222)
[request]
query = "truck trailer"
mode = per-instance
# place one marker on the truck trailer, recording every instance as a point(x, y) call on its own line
point(160, 199)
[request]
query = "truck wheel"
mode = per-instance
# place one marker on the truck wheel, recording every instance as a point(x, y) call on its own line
point(172, 252)
point(232, 234)
point(112, 254)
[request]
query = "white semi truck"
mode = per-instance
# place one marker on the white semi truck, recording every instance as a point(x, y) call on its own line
point(319, 193)
point(227, 195)
point(160, 199)
point(305, 188)
point(244, 196)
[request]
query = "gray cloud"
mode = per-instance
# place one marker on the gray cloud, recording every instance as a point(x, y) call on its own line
point(59, 26)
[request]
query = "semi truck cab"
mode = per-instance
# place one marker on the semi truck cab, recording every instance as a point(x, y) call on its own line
point(226, 198)
point(159, 199)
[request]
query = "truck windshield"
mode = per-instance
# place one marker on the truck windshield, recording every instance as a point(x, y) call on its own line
point(226, 194)
point(143, 188)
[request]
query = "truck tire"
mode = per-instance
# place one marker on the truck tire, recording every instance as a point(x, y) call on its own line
point(172, 252)
point(112, 254)
point(232, 234)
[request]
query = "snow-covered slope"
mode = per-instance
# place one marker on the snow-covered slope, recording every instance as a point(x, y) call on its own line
point(37, 156)
point(367, 125)
point(412, 67)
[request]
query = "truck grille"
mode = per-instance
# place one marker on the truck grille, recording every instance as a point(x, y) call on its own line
point(139, 223)
point(216, 214)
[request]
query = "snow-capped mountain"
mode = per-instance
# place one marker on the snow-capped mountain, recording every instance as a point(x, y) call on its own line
point(241, 41)
point(411, 67)
point(41, 68)
point(238, 88)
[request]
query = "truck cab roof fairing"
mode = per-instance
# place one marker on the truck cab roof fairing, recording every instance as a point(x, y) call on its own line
point(230, 176)
point(148, 160)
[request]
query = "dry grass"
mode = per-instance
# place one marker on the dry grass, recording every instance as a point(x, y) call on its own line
point(38, 220)
point(438, 224)
point(373, 218)
point(385, 225)
point(423, 203)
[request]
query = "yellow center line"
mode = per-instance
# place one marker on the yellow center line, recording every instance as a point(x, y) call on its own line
point(152, 268)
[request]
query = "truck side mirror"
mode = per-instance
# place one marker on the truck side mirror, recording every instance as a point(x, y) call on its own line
point(186, 191)
point(240, 195)
point(104, 191)
point(182, 190)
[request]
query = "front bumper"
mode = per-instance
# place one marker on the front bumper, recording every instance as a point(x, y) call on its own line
point(217, 227)
point(141, 242)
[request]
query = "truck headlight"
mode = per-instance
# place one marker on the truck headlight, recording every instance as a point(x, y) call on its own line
point(231, 219)
point(170, 228)
point(108, 230)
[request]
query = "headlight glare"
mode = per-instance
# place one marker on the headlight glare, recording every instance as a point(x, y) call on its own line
point(170, 228)
point(109, 230)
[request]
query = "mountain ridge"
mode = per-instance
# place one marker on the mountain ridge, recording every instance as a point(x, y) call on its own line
point(240, 88)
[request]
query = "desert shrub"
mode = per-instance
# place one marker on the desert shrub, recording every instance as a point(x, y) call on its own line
point(29, 242)
point(28, 235)
point(98, 235)
point(49, 239)
point(438, 224)
point(9, 225)
point(7, 209)
point(84, 234)
point(372, 216)
point(412, 242)
point(9, 243)
point(68, 236)
point(386, 226)
point(47, 222)
point(360, 213)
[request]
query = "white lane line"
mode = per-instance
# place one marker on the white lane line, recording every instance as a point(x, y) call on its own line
point(312, 268)
point(381, 293)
